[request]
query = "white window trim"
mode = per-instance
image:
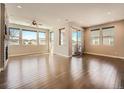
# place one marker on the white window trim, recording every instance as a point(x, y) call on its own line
point(33, 30)
point(101, 38)
point(113, 38)
point(45, 38)
point(19, 35)
point(98, 29)
point(28, 31)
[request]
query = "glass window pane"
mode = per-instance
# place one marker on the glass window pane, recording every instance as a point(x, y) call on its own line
point(95, 41)
point(62, 38)
point(74, 40)
point(108, 41)
point(29, 37)
point(79, 36)
point(108, 32)
point(42, 38)
point(95, 33)
point(79, 41)
point(95, 37)
point(108, 36)
point(74, 36)
point(14, 36)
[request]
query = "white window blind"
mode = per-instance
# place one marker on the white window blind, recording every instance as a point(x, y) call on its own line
point(95, 37)
point(108, 36)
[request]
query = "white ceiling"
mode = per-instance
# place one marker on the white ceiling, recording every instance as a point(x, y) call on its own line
point(51, 15)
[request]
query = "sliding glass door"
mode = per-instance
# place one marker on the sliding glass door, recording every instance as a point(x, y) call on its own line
point(76, 43)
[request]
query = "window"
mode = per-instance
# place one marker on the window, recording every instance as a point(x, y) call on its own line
point(42, 38)
point(14, 36)
point(108, 36)
point(61, 36)
point(95, 37)
point(29, 37)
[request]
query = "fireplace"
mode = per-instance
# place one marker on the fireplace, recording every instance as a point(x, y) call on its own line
point(6, 53)
point(4, 37)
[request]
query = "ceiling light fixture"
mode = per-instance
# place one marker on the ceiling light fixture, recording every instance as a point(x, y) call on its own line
point(18, 6)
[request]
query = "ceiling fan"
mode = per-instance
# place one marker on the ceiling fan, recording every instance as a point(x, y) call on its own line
point(35, 23)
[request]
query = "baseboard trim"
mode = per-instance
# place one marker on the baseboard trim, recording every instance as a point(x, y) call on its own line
point(104, 55)
point(27, 54)
point(61, 54)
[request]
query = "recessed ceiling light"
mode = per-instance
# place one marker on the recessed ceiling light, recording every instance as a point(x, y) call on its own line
point(19, 6)
point(109, 13)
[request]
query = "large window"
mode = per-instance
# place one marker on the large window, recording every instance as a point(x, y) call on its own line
point(95, 37)
point(104, 37)
point(14, 36)
point(29, 37)
point(42, 38)
point(108, 36)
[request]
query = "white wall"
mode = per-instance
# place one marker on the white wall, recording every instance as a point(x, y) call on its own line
point(63, 49)
point(66, 49)
point(16, 50)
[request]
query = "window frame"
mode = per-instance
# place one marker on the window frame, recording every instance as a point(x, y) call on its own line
point(39, 37)
point(27, 30)
point(18, 36)
point(113, 36)
point(101, 36)
point(91, 37)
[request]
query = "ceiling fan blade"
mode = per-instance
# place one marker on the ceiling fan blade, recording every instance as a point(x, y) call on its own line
point(40, 24)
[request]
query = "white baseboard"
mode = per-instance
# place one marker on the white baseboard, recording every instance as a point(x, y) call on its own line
point(26, 54)
point(61, 54)
point(104, 55)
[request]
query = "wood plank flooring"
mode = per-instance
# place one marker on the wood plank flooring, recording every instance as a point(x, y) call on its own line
point(57, 72)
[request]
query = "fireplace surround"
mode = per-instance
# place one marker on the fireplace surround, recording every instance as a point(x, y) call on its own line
point(4, 37)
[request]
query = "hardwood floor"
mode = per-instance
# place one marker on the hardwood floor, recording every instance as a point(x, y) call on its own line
point(53, 71)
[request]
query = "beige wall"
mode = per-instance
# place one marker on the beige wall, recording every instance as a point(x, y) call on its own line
point(116, 50)
point(66, 49)
point(61, 49)
point(16, 50)
point(24, 50)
